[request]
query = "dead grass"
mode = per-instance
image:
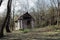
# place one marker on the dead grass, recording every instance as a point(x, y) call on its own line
point(48, 28)
point(49, 32)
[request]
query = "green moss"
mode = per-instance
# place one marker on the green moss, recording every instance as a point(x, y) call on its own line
point(25, 30)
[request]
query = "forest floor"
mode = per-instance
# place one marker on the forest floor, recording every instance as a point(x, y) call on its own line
point(46, 33)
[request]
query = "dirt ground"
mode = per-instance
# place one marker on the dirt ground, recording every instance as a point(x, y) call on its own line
point(37, 34)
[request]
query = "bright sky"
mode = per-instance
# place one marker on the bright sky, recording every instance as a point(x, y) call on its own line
point(19, 5)
point(3, 7)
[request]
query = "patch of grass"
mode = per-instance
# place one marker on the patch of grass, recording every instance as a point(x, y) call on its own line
point(25, 30)
point(50, 33)
point(21, 30)
point(57, 31)
point(54, 27)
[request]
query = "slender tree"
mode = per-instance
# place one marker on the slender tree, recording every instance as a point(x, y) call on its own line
point(13, 16)
point(58, 11)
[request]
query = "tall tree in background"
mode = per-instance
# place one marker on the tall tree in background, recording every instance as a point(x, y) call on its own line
point(40, 4)
point(55, 7)
point(52, 2)
point(58, 11)
point(13, 15)
point(7, 19)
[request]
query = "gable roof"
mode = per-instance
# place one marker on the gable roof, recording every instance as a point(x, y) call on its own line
point(30, 14)
point(25, 16)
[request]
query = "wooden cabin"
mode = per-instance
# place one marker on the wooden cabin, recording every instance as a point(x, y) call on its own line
point(25, 21)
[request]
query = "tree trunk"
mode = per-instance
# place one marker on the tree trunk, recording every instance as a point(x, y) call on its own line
point(1, 2)
point(0, 5)
point(58, 12)
point(8, 24)
point(7, 18)
point(13, 17)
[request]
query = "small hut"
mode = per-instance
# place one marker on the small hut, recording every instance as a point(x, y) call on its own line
point(25, 21)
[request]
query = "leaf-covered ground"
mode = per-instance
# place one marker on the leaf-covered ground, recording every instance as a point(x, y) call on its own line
point(35, 34)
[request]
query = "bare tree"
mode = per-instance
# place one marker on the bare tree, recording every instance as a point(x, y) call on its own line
point(56, 4)
point(58, 11)
point(13, 15)
point(1, 2)
point(40, 4)
point(7, 19)
point(9, 15)
point(53, 11)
